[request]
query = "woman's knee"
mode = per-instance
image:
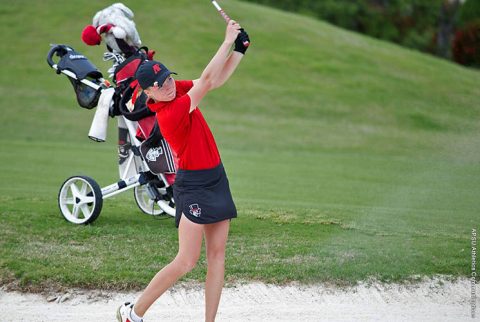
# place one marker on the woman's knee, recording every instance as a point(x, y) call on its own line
point(216, 255)
point(216, 240)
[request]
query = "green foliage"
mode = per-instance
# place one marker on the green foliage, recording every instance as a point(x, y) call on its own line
point(469, 12)
point(411, 23)
point(466, 45)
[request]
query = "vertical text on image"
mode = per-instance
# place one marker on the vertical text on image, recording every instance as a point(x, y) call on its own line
point(473, 278)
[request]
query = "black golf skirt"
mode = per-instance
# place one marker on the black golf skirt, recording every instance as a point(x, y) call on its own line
point(203, 196)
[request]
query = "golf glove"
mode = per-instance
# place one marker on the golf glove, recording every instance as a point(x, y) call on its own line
point(241, 38)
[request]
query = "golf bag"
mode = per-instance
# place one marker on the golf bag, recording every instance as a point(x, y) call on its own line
point(146, 162)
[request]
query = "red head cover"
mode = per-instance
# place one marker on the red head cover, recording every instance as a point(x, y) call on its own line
point(90, 36)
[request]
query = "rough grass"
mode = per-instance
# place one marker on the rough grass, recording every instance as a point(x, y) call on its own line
point(349, 158)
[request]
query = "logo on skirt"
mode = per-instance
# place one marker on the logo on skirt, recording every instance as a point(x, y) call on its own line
point(195, 210)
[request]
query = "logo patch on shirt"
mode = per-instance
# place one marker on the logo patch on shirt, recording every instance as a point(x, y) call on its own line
point(195, 210)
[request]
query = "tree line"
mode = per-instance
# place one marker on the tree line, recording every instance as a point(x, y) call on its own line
point(446, 28)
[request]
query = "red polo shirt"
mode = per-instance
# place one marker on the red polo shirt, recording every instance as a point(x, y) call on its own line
point(187, 133)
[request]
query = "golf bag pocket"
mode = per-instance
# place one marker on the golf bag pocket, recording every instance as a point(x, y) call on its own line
point(157, 154)
point(87, 97)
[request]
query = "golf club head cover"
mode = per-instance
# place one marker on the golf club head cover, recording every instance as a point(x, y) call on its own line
point(90, 36)
point(241, 38)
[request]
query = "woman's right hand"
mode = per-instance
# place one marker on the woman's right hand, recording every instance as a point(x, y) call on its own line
point(233, 29)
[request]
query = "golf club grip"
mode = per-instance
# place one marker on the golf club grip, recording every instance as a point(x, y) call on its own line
point(226, 17)
point(220, 10)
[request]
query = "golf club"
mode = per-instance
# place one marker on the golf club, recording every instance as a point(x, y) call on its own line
point(226, 17)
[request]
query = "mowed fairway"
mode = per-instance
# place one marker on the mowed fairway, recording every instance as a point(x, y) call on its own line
point(348, 157)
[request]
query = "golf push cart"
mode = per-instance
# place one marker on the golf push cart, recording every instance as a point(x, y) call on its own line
point(146, 162)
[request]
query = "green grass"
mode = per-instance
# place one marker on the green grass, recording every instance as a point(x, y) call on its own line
point(348, 157)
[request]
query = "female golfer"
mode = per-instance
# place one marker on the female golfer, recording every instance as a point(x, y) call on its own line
point(204, 205)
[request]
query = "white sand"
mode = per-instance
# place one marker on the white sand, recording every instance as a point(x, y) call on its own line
point(430, 300)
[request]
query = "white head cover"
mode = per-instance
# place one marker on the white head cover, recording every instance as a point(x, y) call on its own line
point(121, 17)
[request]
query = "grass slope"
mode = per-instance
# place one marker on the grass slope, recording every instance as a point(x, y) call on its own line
point(348, 157)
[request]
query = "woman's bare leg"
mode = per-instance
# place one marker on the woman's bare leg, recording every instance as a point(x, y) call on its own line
point(190, 244)
point(215, 240)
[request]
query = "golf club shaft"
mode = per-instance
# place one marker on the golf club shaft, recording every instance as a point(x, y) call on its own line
point(226, 17)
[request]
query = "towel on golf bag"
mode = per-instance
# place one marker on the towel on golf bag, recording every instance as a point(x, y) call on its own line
point(98, 129)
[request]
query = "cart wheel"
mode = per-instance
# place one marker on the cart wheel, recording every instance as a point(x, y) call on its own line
point(146, 204)
point(80, 200)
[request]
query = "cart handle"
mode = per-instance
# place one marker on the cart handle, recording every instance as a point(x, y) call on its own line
point(59, 50)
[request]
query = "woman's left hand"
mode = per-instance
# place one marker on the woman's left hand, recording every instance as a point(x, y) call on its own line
point(233, 29)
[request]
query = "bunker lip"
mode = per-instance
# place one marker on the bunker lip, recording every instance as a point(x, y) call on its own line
point(430, 299)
